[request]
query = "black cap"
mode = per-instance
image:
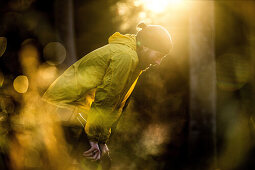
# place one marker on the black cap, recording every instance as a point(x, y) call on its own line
point(155, 37)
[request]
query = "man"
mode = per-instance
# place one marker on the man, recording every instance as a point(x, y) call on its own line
point(99, 84)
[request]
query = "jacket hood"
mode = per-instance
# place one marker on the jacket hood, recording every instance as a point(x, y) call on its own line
point(127, 39)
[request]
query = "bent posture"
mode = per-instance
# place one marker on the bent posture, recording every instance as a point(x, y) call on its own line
point(98, 85)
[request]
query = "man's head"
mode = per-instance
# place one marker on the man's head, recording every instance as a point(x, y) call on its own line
point(153, 44)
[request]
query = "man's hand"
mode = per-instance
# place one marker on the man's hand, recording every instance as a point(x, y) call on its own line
point(94, 152)
point(104, 149)
point(105, 157)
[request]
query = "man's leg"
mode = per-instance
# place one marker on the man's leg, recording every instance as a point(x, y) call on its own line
point(77, 138)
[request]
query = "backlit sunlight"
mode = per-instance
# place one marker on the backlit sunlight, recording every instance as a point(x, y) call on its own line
point(157, 6)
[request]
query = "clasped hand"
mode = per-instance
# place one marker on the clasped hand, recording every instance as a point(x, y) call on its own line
point(96, 152)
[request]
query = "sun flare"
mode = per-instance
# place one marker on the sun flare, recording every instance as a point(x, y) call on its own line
point(157, 6)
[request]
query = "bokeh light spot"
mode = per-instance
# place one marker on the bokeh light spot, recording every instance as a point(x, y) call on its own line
point(46, 75)
point(3, 45)
point(154, 137)
point(28, 54)
point(142, 15)
point(54, 53)
point(20, 84)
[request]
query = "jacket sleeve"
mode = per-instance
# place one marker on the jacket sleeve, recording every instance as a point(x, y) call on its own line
point(84, 75)
point(103, 112)
point(63, 91)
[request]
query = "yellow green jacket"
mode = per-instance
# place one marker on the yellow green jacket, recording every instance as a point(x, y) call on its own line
point(99, 84)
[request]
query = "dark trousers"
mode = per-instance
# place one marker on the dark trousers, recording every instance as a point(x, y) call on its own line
point(76, 137)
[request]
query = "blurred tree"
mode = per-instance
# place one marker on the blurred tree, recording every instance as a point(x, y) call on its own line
point(96, 20)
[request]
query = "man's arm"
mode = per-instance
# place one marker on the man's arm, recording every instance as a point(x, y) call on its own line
point(77, 80)
point(103, 112)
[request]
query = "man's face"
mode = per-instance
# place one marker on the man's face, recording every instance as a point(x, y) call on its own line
point(148, 57)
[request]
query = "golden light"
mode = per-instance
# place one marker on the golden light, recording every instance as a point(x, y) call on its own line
point(29, 55)
point(46, 75)
point(1, 79)
point(157, 6)
point(153, 144)
point(20, 84)
point(142, 15)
